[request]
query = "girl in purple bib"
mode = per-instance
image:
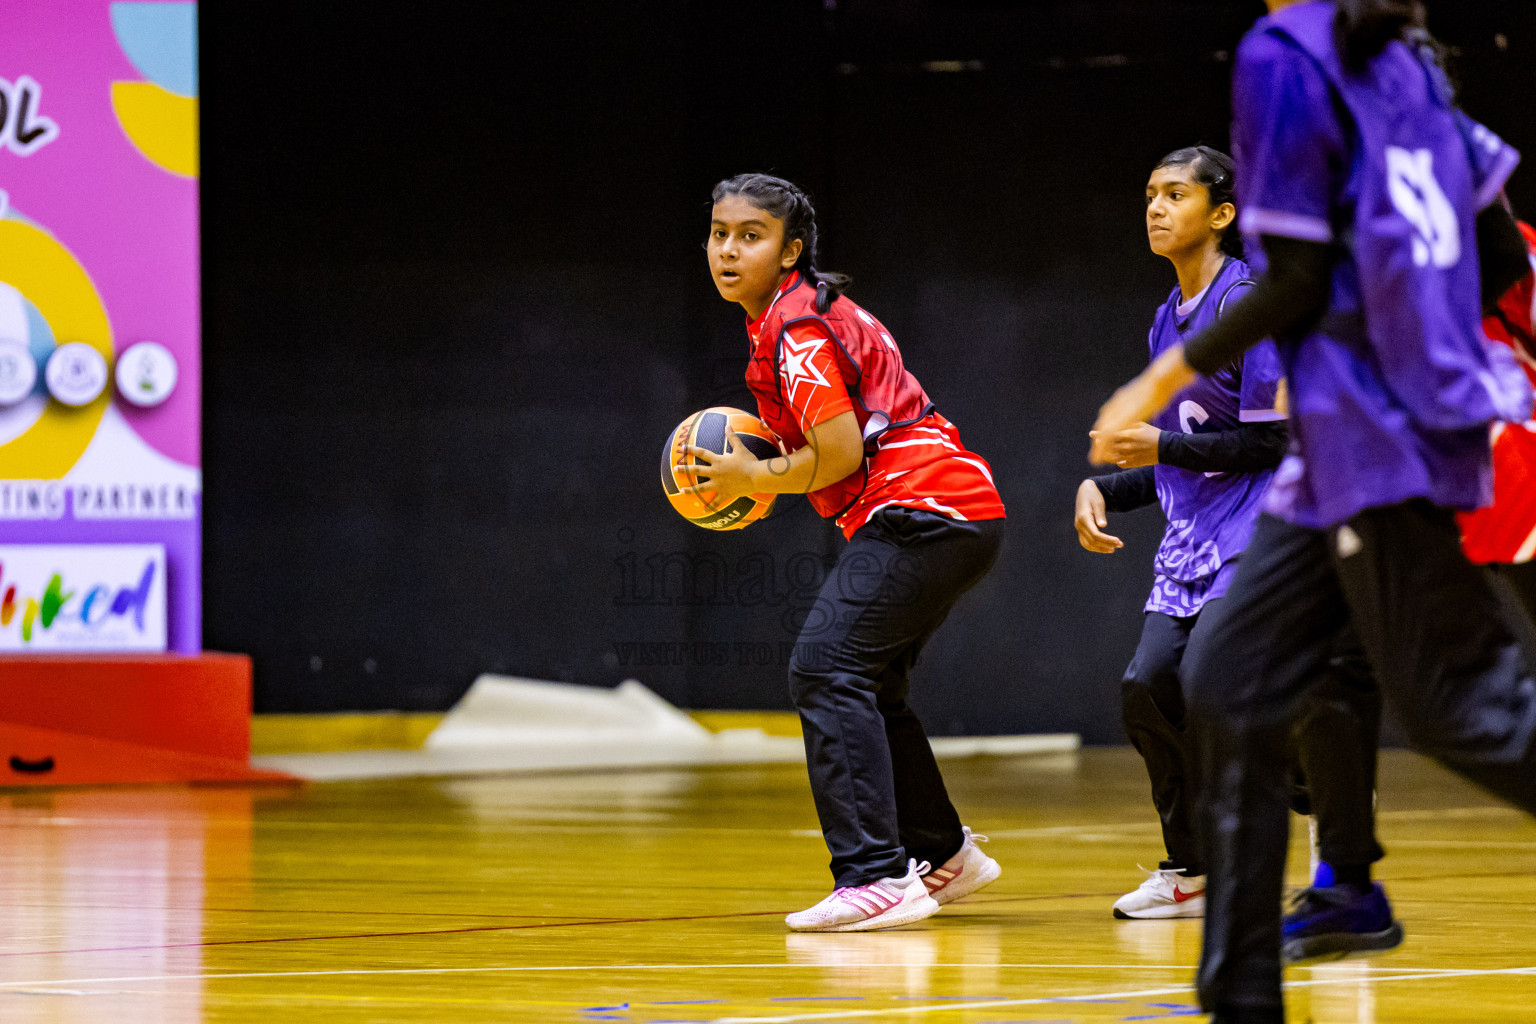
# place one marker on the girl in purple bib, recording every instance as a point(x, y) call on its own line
point(1207, 459)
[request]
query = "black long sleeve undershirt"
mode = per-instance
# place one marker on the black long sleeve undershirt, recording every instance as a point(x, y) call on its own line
point(1293, 293)
point(1127, 490)
point(1248, 448)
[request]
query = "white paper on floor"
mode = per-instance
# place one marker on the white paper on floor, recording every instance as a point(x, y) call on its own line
point(505, 724)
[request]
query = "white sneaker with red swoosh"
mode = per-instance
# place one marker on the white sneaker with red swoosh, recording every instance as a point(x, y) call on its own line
point(962, 874)
point(1164, 894)
point(887, 903)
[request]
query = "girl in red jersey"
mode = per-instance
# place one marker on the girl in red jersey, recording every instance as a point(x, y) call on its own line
point(923, 522)
point(1504, 534)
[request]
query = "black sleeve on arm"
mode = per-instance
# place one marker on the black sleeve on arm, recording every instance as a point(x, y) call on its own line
point(1248, 449)
point(1127, 490)
point(1501, 253)
point(1292, 294)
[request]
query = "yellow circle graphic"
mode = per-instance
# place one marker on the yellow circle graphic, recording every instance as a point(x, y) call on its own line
point(161, 124)
point(36, 265)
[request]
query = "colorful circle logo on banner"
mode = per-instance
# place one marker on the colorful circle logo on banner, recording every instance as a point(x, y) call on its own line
point(76, 374)
point(65, 302)
point(18, 371)
point(146, 374)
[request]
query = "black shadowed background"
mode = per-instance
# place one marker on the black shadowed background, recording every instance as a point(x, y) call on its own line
point(455, 299)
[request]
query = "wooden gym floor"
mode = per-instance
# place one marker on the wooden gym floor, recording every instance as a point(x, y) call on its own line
point(658, 896)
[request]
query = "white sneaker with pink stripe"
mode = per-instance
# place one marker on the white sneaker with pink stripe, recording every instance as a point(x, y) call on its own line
point(962, 874)
point(888, 903)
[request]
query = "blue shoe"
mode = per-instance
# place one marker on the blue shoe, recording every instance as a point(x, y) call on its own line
point(1326, 922)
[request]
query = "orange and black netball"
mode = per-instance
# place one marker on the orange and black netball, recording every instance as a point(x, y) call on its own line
point(707, 429)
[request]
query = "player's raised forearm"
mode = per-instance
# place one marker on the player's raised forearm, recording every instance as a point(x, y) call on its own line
point(833, 450)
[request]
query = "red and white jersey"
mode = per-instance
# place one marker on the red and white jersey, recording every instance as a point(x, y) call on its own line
point(1506, 530)
point(807, 368)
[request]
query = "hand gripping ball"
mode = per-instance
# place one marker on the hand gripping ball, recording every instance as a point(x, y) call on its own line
point(706, 429)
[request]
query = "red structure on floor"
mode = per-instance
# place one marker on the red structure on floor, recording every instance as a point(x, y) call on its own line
point(75, 720)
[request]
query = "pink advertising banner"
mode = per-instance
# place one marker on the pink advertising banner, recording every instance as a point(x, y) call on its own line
point(100, 332)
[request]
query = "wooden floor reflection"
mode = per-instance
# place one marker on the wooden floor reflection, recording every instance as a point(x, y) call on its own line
point(658, 897)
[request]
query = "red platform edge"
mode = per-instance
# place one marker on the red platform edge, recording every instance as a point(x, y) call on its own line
point(102, 719)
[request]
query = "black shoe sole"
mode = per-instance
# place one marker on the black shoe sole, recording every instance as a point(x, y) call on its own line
point(1333, 945)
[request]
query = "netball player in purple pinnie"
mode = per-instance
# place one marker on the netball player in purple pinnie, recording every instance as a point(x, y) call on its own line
point(1376, 202)
point(1207, 460)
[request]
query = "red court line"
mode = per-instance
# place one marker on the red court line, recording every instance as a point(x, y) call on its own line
point(402, 935)
point(484, 928)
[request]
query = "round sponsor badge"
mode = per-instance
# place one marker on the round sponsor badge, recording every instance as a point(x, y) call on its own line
point(18, 371)
point(76, 374)
point(146, 374)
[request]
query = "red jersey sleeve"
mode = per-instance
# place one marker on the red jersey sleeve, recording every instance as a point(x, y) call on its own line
point(808, 371)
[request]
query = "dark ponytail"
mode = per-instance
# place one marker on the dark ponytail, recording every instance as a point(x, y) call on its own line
point(1363, 28)
point(789, 203)
point(1216, 171)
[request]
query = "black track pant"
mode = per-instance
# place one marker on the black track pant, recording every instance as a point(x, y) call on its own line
point(1443, 652)
point(1152, 710)
point(878, 790)
point(1337, 736)
point(1337, 739)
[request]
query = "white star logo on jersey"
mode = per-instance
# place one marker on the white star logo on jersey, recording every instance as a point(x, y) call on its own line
point(798, 367)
